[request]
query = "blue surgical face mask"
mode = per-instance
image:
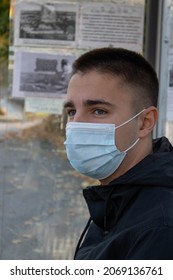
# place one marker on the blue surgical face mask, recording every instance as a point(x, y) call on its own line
point(91, 148)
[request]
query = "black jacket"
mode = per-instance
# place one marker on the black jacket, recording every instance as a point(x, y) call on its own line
point(132, 217)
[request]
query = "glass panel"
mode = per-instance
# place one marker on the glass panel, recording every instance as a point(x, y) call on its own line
point(42, 210)
point(169, 124)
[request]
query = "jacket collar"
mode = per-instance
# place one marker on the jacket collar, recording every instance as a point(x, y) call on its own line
point(109, 201)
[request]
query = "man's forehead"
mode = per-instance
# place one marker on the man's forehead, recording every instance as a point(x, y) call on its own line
point(92, 88)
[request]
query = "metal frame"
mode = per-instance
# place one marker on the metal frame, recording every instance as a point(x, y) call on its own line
point(156, 51)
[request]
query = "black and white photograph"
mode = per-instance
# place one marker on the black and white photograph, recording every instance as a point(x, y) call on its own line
point(45, 23)
point(170, 68)
point(41, 74)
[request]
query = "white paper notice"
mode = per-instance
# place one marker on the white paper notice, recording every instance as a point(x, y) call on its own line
point(43, 105)
point(111, 25)
point(170, 88)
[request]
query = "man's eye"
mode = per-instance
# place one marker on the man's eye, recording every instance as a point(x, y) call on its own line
point(100, 112)
point(71, 113)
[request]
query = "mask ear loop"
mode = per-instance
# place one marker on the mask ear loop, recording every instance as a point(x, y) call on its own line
point(126, 123)
point(130, 119)
point(131, 146)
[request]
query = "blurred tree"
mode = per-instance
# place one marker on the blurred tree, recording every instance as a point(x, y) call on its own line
point(4, 28)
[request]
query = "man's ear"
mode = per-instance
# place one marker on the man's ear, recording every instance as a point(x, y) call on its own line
point(147, 121)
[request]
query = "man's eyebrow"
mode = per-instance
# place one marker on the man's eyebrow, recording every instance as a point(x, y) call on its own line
point(68, 104)
point(91, 102)
point(88, 102)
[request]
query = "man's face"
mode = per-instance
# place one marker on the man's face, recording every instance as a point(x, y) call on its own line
point(101, 98)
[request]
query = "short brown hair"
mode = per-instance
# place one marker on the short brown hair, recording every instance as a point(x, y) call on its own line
point(131, 67)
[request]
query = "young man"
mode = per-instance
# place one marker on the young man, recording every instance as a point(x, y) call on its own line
point(112, 109)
